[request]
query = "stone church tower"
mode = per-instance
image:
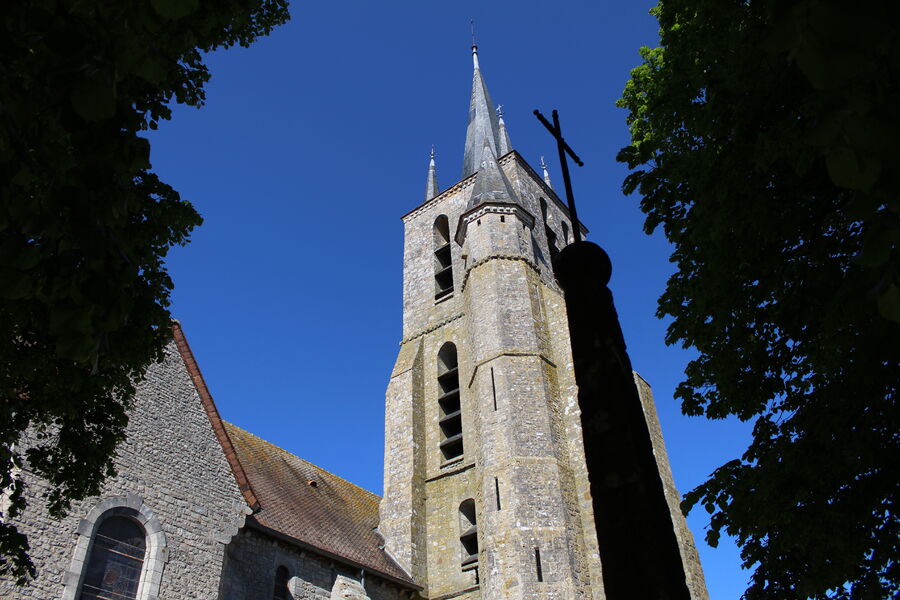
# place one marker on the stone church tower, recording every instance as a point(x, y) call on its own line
point(486, 483)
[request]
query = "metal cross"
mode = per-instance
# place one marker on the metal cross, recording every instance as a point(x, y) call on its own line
point(564, 149)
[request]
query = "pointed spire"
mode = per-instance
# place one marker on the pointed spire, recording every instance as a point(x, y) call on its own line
point(484, 124)
point(431, 186)
point(546, 174)
point(505, 145)
point(491, 184)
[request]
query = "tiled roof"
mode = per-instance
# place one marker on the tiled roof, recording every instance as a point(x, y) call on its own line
point(329, 514)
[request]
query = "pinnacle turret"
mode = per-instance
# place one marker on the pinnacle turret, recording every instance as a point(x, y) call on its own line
point(431, 186)
point(546, 174)
point(484, 123)
point(505, 144)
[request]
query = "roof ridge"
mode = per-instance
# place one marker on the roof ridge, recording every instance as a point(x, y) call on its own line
point(212, 413)
point(291, 454)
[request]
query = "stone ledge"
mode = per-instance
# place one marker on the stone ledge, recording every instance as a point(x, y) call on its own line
point(450, 472)
point(457, 594)
point(431, 328)
point(487, 259)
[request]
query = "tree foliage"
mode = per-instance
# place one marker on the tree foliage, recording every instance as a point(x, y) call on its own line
point(85, 225)
point(764, 144)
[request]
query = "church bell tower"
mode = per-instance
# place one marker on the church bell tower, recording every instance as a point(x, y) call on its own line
point(486, 484)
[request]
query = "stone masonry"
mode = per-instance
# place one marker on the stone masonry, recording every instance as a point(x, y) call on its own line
point(253, 557)
point(171, 471)
point(179, 477)
point(506, 317)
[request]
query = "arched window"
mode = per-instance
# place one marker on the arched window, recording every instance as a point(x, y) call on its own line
point(450, 419)
point(551, 235)
point(443, 267)
point(281, 584)
point(468, 532)
point(565, 227)
point(116, 560)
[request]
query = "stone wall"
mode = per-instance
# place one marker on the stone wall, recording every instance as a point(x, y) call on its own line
point(420, 311)
point(510, 332)
point(172, 472)
point(252, 558)
point(696, 583)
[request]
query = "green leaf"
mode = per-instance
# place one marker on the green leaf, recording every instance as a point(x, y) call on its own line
point(850, 170)
point(141, 158)
point(877, 247)
point(80, 349)
point(812, 62)
point(15, 285)
point(889, 304)
point(153, 70)
point(174, 9)
point(94, 98)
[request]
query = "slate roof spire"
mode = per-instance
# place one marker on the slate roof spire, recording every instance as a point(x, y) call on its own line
point(484, 123)
point(491, 184)
point(431, 186)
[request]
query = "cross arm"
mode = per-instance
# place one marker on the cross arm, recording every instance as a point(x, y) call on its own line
point(555, 132)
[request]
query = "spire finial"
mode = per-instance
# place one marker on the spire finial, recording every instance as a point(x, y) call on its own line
point(546, 174)
point(474, 44)
point(500, 111)
point(484, 123)
point(431, 184)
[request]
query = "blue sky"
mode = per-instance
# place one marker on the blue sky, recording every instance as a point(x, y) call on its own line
point(314, 142)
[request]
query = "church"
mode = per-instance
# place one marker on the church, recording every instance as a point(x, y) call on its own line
point(523, 456)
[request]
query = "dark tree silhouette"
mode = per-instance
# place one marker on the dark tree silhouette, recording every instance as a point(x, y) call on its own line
point(764, 143)
point(85, 225)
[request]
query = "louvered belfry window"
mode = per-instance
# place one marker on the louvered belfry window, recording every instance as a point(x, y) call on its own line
point(450, 419)
point(443, 266)
point(116, 561)
point(468, 532)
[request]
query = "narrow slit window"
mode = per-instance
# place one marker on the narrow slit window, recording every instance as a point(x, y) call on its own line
point(493, 388)
point(537, 564)
point(497, 491)
point(443, 263)
point(450, 413)
point(565, 228)
point(468, 532)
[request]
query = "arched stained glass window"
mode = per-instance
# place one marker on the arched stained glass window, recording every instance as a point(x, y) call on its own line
point(281, 584)
point(116, 560)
